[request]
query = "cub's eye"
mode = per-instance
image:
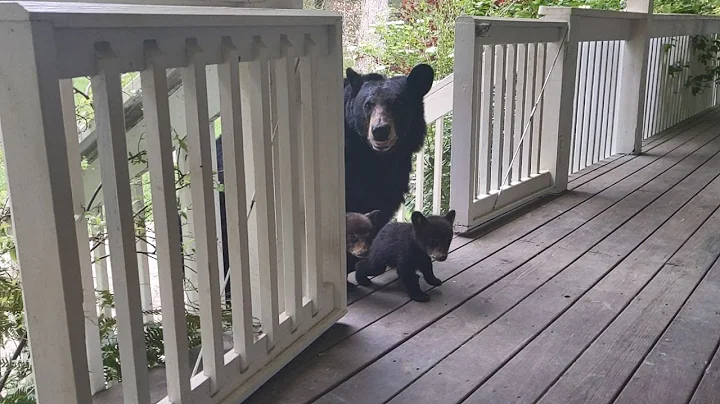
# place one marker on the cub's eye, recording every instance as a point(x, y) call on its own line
point(353, 239)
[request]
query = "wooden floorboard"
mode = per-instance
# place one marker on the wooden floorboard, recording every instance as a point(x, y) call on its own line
point(389, 348)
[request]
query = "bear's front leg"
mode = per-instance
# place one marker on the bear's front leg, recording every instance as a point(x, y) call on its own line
point(427, 270)
point(409, 278)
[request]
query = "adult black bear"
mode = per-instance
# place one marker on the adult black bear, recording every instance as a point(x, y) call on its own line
point(384, 127)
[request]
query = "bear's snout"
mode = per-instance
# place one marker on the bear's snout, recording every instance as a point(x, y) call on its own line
point(381, 133)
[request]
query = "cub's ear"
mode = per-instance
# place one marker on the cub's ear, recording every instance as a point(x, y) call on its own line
point(354, 80)
point(450, 217)
point(374, 217)
point(420, 79)
point(418, 220)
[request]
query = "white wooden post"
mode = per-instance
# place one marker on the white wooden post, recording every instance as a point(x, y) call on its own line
point(463, 167)
point(42, 208)
point(92, 331)
point(633, 80)
point(141, 246)
point(558, 103)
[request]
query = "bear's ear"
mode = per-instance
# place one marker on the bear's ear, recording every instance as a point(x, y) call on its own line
point(450, 217)
point(418, 220)
point(374, 217)
point(354, 79)
point(420, 79)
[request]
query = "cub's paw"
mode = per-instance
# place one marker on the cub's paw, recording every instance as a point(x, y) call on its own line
point(433, 281)
point(420, 297)
point(351, 287)
point(362, 280)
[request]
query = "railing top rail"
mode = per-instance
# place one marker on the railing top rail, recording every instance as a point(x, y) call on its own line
point(107, 15)
point(499, 31)
point(509, 22)
point(558, 11)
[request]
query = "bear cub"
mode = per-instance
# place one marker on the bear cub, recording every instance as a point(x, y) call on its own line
point(360, 232)
point(409, 247)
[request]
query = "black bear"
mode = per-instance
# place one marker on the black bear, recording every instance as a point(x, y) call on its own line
point(409, 247)
point(384, 127)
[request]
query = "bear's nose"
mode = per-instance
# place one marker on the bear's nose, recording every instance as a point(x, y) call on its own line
point(381, 133)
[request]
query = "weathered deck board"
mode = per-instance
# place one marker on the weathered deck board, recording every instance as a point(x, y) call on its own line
point(389, 348)
point(600, 372)
point(675, 365)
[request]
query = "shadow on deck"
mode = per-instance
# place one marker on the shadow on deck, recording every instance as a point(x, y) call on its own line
point(608, 293)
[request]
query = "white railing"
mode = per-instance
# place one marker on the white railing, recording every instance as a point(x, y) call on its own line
point(429, 191)
point(608, 87)
point(278, 71)
point(505, 133)
point(596, 85)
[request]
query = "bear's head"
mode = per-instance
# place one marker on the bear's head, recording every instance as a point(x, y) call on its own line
point(385, 111)
point(361, 230)
point(434, 233)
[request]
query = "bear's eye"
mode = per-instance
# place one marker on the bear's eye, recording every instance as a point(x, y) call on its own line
point(368, 106)
point(353, 239)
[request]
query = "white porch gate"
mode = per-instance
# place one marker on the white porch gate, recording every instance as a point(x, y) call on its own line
point(300, 289)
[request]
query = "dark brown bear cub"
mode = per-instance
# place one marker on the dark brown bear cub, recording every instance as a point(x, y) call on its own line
point(360, 232)
point(408, 248)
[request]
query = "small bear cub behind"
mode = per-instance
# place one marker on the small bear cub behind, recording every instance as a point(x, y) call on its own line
point(409, 247)
point(360, 232)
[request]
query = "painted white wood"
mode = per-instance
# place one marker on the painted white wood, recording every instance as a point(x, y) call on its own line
point(202, 190)
point(112, 152)
point(538, 120)
point(310, 120)
point(438, 165)
point(141, 247)
point(167, 229)
point(255, 85)
point(101, 260)
point(92, 331)
point(439, 100)
point(520, 115)
point(503, 31)
point(531, 58)
point(580, 105)
point(288, 146)
point(632, 86)
point(419, 179)
point(235, 203)
point(216, 201)
point(463, 160)
point(328, 81)
point(558, 108)
point(485, 116)
point(510, 194)
point(31, 116)
point(498, 139)
point(509, 111)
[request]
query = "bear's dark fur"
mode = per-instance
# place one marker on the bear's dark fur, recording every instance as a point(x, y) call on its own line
point(384, 126)
point(409, 247)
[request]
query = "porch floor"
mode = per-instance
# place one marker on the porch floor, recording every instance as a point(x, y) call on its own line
point(608, 293)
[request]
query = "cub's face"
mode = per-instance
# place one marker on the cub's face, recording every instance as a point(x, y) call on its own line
point(434, 233)
point(381, 110)
point(361, 230)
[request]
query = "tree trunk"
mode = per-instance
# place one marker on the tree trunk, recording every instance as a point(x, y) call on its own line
point(374, 12)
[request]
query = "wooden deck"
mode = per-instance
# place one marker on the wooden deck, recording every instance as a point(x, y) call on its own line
point(609, 293)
